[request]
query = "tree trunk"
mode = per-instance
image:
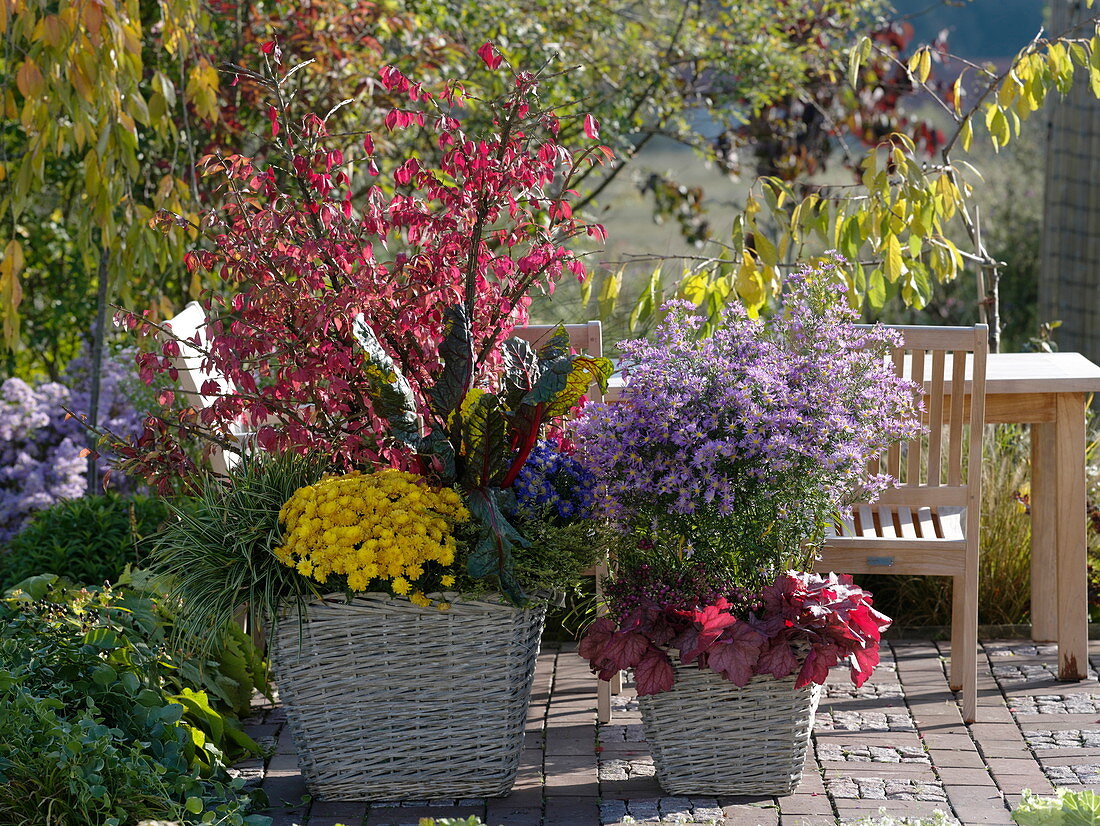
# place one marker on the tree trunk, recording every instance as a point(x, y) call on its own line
point(95, 369)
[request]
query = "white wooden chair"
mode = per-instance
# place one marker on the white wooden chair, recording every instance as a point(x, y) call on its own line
point(584, 338)
point(188, 323)
point(929, 525)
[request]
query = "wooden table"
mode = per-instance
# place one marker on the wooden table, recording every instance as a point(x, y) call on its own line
point(1049, 392)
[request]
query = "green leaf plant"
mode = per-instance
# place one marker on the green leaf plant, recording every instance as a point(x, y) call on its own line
point(478, 439)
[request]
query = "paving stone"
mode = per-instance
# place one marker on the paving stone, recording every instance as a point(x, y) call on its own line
point(331, 812)
point(1067, 739)
point(619, 733)
point(1076, 775)
point(571, 809)
point(839, 720)
point(881, 788)
point(1083, 703)
point(866, 691)
point(410, 815)
point(859, 753)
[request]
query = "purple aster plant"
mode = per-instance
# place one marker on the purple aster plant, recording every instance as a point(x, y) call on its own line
point(40, 446)
point(735, 450)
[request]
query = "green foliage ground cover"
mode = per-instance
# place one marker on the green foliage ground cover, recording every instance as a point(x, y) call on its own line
point(91, 540)
point(105, 724)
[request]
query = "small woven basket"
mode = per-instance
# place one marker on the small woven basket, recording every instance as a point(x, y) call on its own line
point(390, 701)
point(709, 737)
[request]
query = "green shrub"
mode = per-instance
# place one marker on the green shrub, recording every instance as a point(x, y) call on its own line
point(89, 540)
point(1067, 808)
point(99, 728)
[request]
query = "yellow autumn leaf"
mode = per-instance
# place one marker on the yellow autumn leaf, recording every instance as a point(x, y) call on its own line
point(29, 79)
point(892, 262)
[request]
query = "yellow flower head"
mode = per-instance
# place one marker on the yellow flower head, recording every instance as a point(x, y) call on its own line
point(369, 528)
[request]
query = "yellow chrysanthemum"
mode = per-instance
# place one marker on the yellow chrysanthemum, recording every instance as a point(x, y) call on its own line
point(447, 581)
point(386, 525)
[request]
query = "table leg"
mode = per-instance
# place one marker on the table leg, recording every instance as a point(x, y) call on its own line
point(1071, 522)
point(1044, 535)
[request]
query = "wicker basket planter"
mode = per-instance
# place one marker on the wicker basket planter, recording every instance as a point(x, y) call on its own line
point(389, 701)
point(709, 737)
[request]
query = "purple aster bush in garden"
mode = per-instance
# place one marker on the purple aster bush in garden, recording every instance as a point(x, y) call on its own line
point(724, 463)
point(40, 446)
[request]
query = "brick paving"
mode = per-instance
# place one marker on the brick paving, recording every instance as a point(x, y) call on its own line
point(897, 744)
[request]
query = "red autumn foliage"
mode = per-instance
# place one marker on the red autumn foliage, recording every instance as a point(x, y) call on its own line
point(298, 256)
point(804, 624)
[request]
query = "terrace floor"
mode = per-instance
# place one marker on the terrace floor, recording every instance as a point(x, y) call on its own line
point(898, 744)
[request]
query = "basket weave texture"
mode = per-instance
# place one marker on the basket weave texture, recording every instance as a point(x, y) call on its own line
point(710, 737)
point(390, 701)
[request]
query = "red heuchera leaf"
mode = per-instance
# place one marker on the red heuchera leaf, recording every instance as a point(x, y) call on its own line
point(863, 662)
point(591, 127)
point(709, 625)
point(735, 654)
point(595, 638)
point(625, 649)
point(654, 673)
point(778, 660)
point(490, 55)
point(816, 668)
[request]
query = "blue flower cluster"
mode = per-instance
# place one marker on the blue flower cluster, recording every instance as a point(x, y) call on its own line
point(556, 480)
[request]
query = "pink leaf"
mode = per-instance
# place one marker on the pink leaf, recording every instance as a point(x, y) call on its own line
point(863, 662)
point(816, 668)
point(591, 127)
point(654, 673)
point(490, 55)
point(273, 116)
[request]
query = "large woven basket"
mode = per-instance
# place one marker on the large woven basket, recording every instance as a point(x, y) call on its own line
point(389, 701)
point(709, 737)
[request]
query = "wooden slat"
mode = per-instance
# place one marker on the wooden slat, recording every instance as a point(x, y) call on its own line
point(950, 522)
point(866, 519)
point(925, 526)
point(937, 338)
point(905, 517)
point(912, 470)
point(919, 557)
point(922, 495)
point(934, 403)
point(954, 446)
point(887, 528)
